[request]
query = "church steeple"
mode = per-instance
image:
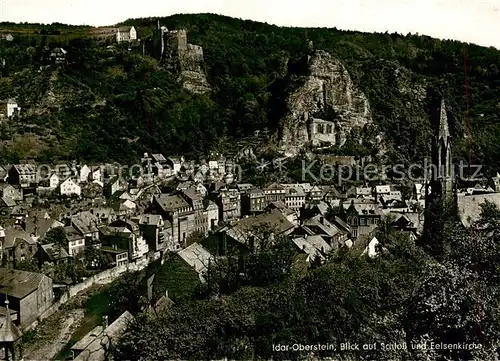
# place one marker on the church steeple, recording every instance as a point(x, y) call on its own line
point(9, 335)
point(442, 183)
point(444, 130)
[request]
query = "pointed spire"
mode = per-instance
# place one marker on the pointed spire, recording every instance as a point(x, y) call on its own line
point(9, 331)
point(444, 131)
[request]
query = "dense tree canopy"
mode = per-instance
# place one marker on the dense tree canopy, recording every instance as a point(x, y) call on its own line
point(405, 296)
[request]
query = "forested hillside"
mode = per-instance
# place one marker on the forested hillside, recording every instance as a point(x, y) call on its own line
point(113, 104)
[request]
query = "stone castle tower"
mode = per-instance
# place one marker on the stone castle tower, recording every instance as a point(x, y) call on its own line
point(441, 184)
point(168, 45)
point(172, 50)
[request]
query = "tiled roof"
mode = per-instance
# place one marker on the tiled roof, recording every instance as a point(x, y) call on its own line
point(24, 169)
point(325, 226)
point(72, 234)
point(17, 283)
point(98, 348)
point(274, 220)
point(85, 222)
point(307, 248)
point(54, 251)
point(9, 202)
point(196, 256)
point(14, 233)
point(171, 202)
point(150, 219)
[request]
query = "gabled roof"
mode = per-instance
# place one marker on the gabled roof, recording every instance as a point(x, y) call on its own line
point(54, 251)
point(321, 223)
point(18, 283)
point(9, 202)
point(85, 222)
point(274, 186)
point(127, 204)
point(242, 187)
point(211, 206)
point(125, 28)
point(197, 257)
point(193, 195)
point(304, 246)
point(295, 191)
point(14, 233)
point(72, 234)
point(273, 220)
point(25, 169)
point(342, 225)
point(171, 203)
point(88, 338)
point(97, 349)
point(159, 157)
point(42, 225)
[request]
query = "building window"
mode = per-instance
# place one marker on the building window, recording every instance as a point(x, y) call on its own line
point(355, 233)
point(22, 245)
point(355, 221)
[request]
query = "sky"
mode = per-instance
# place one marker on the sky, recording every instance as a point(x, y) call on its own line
point(473, 21)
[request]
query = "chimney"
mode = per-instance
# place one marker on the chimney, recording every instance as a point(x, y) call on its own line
point(105, 322)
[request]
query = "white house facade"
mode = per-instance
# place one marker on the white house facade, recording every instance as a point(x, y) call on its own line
point(69, 187)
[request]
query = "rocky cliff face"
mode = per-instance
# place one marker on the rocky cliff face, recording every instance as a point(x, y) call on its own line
point(324, 107)
point(191, 70)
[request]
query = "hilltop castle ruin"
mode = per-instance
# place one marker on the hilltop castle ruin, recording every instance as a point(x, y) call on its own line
point(170, 47)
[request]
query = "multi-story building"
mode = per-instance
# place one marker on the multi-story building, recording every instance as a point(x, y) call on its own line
point(70, 188)
point(23, 175)
point(124, 33)
point(274, 192)
point(362, 216)
point(75, 241)
point(295, 197)
point(157, 233)
point(229, 202)
point(253, 201)
point(174, 209)
point(195, 200)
